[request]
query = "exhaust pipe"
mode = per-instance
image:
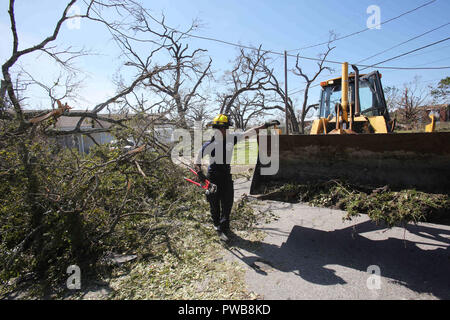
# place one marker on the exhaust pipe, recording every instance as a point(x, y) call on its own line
point(357, 105)
point(344, 100)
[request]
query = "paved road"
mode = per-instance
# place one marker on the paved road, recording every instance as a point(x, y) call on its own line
point(310, 253)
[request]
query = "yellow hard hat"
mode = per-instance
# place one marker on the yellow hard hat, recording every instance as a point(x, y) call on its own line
point(221, 121)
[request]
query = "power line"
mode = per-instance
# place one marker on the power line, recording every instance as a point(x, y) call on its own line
point(423, 81)
point(290, 55)
point(398, 45)
point(398, 68)
point(330, 76)
point(301, 90)
point(428, 51)
point(432, 80)
point(406, 53)
point(313, 59)
point(308, 58)
point(328, 61)
point(366, 29)
point(424, 64)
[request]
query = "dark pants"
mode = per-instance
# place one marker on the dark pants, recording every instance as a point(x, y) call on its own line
point(221, 202)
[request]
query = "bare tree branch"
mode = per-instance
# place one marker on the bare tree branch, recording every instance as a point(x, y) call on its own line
point(249, 74)
point(299, 72)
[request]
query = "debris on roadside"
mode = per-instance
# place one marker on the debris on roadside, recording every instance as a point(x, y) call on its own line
point(382, 205)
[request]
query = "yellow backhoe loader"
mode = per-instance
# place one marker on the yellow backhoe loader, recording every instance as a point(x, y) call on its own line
point(354, 140)
point(360, 105)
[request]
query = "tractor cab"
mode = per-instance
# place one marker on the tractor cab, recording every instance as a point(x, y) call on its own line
point(365, 111)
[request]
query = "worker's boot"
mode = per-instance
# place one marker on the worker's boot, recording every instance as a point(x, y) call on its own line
point(222, 236)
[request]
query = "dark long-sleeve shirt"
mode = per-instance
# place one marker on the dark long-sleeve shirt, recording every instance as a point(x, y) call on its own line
point(220, 153)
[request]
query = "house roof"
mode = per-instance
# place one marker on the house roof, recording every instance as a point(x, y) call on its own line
point(69, 123)
point(436, 106)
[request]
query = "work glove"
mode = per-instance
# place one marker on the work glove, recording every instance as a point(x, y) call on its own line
point(212, 189)
point(272, 123)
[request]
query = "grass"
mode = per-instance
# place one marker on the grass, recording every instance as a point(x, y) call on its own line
point(245, 152)
point(440, 126)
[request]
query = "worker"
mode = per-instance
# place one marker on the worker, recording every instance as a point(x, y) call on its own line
point(220, 149)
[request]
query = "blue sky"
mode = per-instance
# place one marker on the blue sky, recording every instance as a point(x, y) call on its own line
point(276, 25)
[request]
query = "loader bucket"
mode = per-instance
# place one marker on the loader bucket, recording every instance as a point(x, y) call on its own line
point(418, 161)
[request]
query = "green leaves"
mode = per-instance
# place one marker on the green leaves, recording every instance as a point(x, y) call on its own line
point(90, 204)
point(441, 93)
point(382, 206)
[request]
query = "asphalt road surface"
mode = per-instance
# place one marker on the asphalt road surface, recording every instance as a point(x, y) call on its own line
point(311, 253)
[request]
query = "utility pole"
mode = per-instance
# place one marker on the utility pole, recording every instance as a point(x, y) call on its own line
point(286, 93)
